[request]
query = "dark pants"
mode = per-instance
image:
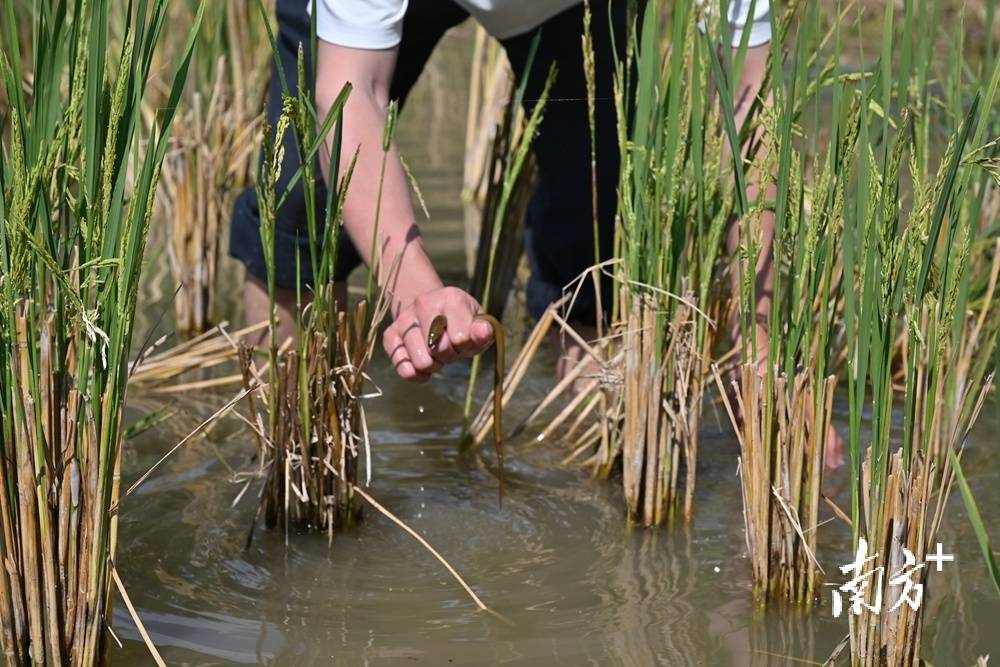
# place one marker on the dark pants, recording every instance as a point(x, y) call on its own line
point(559, 234)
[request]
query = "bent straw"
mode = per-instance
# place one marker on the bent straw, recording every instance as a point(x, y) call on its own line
point(218, 413)
point(135, 618)
point(415, 535)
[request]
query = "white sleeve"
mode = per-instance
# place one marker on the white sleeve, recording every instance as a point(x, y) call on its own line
point(361, 24)
point(759, 24)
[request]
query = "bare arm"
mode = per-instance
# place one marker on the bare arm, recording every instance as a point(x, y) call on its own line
point(748, 87)
point(416, 290)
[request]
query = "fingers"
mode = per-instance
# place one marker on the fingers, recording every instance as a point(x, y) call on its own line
point(458, 334)
point(392, 342)
point(409, 357)
point(482, 334)
point(467, 335)
point(405, 340)
point(445, 351)
point(416, 348)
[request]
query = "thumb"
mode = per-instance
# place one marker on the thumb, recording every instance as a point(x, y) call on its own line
point(481, 333)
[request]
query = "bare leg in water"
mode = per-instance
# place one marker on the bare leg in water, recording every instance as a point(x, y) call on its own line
point(764, 291)
point(748, 90)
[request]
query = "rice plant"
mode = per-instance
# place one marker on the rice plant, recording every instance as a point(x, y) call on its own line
point(781, 403)
point(909, 266)
point(674, 204)
point(492, 126)
point(310, 422)
point(78, 178)
point(212, 156)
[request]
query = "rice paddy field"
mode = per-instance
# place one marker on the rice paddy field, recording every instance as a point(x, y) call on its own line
point(879, 179)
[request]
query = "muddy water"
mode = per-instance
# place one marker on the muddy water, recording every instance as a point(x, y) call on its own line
point(575, 586)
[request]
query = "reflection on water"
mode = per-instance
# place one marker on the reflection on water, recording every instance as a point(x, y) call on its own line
point(578, 587)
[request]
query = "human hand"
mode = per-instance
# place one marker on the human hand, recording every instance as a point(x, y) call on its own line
point(405, 340)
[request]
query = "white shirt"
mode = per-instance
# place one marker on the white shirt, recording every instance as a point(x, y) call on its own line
point(378, 24)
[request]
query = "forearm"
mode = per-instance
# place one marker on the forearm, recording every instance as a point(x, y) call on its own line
point(394, 236)
point(748, 89)
point(378, 213)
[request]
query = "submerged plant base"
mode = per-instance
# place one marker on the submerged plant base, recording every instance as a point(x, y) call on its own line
point(903, 510)
point(658, 407)
point(636, 403)
point(58, 535)
point(782, 437)
point(313, 433)
point(888, 631)
point(655, 433)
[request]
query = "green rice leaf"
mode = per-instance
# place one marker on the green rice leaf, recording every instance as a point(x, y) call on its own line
point(976, 519)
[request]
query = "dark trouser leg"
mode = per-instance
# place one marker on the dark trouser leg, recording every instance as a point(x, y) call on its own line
point(560, 238)
point(425, 22)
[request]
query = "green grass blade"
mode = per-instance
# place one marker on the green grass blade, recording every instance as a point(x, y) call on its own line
point(976, 519)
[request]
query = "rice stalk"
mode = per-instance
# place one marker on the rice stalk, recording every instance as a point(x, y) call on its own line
point(310, 421)
point(492, 126)
point(155, 371)
point(910, 268)
point(78, 175)
point(672, 211)
point(509, 177)
point(212, 156)
point(507, 228)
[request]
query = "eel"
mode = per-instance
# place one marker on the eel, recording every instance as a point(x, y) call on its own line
point(438, 326)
